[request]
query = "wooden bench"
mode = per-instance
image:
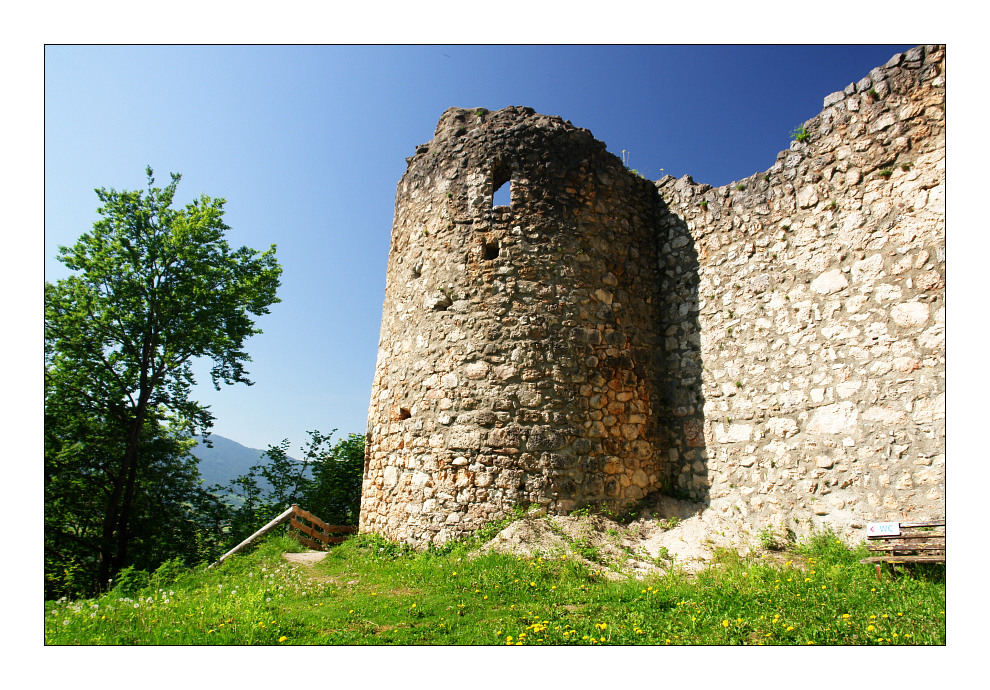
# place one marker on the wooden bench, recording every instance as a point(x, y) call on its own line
point(920, 542)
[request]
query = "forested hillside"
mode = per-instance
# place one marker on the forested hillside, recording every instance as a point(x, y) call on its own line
point(226, 460)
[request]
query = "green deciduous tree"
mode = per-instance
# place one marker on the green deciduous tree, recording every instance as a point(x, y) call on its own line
point(154, 289)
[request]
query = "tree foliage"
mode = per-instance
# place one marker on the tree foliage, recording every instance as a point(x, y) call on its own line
point(154, 289)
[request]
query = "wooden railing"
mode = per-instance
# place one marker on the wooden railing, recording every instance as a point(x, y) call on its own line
point(320, 531)
point(317, 529)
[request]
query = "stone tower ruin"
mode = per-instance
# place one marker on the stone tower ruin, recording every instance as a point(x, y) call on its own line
point(772, 349)
point(516, 343)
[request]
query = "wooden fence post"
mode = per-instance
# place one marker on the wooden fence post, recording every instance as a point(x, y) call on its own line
point(284, 517)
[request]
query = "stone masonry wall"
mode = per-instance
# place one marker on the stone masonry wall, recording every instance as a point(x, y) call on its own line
point(773, 348)
point(516, 342)
point(804, 317)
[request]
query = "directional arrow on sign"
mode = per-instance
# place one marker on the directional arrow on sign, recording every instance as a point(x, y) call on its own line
point(876, 529)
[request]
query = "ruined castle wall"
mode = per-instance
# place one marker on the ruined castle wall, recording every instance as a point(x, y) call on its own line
point(774, 348)
point(803, 326)
point(515, 359)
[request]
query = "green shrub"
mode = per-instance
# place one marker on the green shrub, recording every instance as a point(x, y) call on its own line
point(130, 581)
point(823, 542)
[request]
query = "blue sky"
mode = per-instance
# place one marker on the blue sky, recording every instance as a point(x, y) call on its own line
point(307, 144)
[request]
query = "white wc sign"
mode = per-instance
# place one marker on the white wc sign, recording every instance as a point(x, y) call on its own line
point(883, 529)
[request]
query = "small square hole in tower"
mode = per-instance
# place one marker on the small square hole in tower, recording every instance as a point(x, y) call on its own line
point(491, 249)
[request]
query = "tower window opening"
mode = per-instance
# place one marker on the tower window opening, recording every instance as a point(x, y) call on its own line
point(503, 195)
point(501, 185)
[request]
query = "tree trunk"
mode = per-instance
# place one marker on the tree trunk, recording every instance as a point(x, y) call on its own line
point(110, 519)
point(114, 539)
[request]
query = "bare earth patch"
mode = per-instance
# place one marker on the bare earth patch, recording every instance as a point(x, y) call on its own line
point(685, 538)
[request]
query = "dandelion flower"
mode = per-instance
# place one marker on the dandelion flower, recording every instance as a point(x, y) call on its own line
point(283, 638)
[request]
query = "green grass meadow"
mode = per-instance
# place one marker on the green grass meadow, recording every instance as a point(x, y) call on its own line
point(368, 591)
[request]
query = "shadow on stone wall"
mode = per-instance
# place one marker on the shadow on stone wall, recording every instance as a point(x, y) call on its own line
point(682, 444)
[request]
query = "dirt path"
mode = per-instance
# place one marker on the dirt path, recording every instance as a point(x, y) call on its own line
point(306, 557)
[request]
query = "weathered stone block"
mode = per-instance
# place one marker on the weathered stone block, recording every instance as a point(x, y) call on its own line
point(836, 418)
point(830, 282)
point(910, 314)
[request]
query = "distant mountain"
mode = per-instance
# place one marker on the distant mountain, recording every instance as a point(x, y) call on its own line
point(226, 460)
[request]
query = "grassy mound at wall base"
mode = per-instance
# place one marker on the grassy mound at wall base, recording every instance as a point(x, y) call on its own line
point(370, 591)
